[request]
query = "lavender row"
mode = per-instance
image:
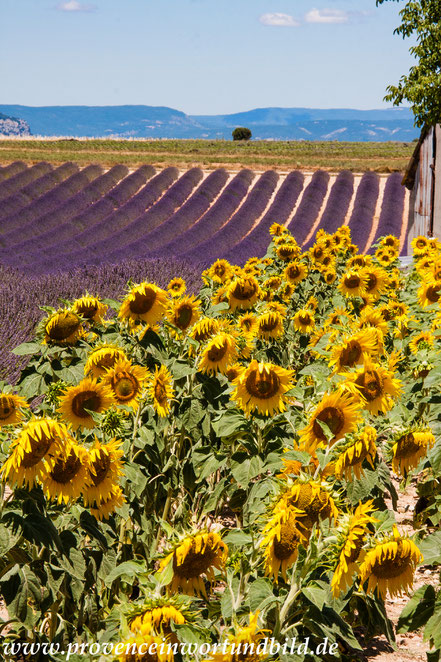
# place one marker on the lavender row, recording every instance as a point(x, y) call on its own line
point(36, 189)
point(309, 206)
point(20, 297)
point(130, 186)
point(181, 220)
point(94, 244)
point(256, 242)
point(174, 197)
point(11, 170)
point(129, 212)
point(365, 203)
point(45, 246)
point(52, 200)
point(392, 208)
point(337, 206)
point(213, 219)
point(90, 194)
point(239, 224)
point(17, 182)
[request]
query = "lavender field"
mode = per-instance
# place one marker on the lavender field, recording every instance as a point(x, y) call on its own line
point(66, 229)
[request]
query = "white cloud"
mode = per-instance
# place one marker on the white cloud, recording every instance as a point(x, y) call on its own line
point(279, 20)
point(74, 5)
point(327, 16)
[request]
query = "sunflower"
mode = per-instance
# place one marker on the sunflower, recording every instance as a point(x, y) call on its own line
point(270, 325)
point(243, 646)
point(353, 284)
point(338, 317)
point(287, 291)
point(329, 276)
point(243, 293)
point(385, 257)
point(295, 272)
point(143, 647)
point(390, 565)
point(183, 313)
point(377, 386)
point(303, 321)
point(429, 292)
point(77, 401)
point(351, 457)
point(339, 411)
point(392, 241)
point(219, 352)
point(282, 535)
point(62, 328)
point(90, 308)
point(160, 387)
point(34, 451)
point(220, 271)
point(262, 387)
point(312, 499)
point(247, 323)
point(195, 556)
point(276, 229)
point(233, 371)
point(67, 477)
point(156, 615)
point(352, 349)
point(409, 447)
point(370, 317)
point(318, 252)
point(146, 302)
point(205, 328)
point(101, 358)
point(422, 340)
point(126, 382)
point(108, 504)
point(377, 280)
point(10, 405)
point(419, 244)
point(350, 544)
point(176, 287)
point(287, 251)
point(104, 469)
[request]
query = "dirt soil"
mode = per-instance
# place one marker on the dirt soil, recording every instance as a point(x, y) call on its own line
point(410, 646)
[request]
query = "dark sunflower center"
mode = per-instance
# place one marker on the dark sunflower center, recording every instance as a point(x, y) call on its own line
point(432, 293)
point(329, 278)
point(195, 563)
point(406, 446)
point(160, 392)
point(39, 449)
point(216, 353)
point(360, 453)
point(125, 386)
point(142, 303)
point(421, 243)
point(244, 292)
point(391, 568)
point(286, 251)
point(333, 417)
point(183, 316)
point(263, 385)
point(87, 310)
point(232, 373)
point(62, 326)
point(7, 407)
point(219, 270)
point(371, 282)
point(352, 282)
point(65, 470)
point(351, 353)
point(353, 556)
point(359, 262)
point(371, 384)
point(294, 272)
point(101, 468)
point(304, 319)
point(287, 544)
point(318, 253)
point(107, 361)
point(269, 323)
point(85, 400)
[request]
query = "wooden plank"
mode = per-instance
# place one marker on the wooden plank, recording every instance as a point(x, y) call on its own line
point(421, 216)
point(437, 192)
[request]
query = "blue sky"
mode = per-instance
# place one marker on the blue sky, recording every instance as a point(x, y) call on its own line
point(200, 56)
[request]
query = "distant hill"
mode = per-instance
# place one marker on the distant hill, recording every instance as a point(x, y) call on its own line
point(266, 123)
point(11, 126)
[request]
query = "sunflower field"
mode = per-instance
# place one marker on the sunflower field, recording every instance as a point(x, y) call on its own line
point(208, 476)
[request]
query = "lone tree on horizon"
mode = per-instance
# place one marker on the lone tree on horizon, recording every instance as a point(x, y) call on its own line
point(241, 133)
point(421, 87)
